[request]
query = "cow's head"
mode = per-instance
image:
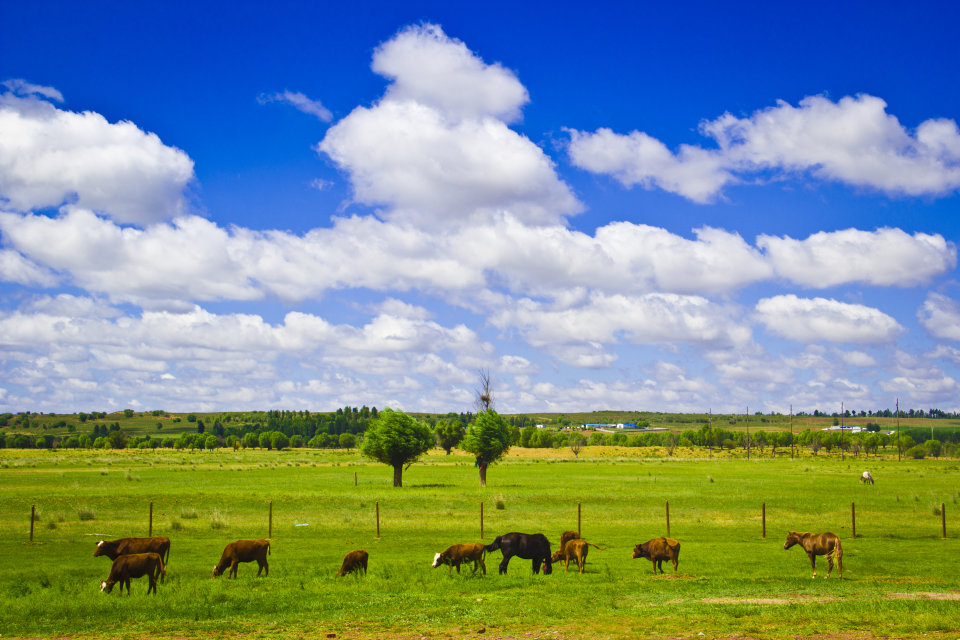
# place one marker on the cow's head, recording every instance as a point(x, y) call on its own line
point(437, 560)
point(106, 586)
point(216, 572)
point(96, 552)
point(547, 567)
point(640, 551)
point(557, 556)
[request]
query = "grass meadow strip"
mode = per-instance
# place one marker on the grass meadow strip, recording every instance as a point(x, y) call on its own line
point(730, 580)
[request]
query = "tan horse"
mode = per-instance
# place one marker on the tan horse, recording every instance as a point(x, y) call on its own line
point(819, 544)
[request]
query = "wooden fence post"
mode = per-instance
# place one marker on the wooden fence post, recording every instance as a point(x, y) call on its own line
point(354, 478)
point(578, 518)
point(270, 524)
point(481, 519)
point(763, 519)
point(668, 518)
point(33, 511)
point(943, 521)
point(853, 519)
point(378, 518)
point(150, 527)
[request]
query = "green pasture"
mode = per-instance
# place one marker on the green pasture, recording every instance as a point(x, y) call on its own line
point(900, 578)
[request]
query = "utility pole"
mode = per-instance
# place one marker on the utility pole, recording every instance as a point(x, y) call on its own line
point(746, 417)
point(791, 432)
point(841, 430)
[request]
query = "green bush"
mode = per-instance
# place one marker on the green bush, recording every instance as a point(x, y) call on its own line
point(916, 452)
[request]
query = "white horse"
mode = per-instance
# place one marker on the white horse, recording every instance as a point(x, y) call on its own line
point(866, 477)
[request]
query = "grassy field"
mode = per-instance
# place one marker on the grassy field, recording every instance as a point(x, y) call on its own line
point(900, 578)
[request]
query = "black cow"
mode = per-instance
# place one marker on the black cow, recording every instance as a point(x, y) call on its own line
point(530, 546)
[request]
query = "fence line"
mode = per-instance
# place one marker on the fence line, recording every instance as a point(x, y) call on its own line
point(763, 519)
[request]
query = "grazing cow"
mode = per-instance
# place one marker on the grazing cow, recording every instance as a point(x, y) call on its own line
point(244, 551)
point(530, 546)
point(125, 546)
point(658, 550)
point(459, 553)
point(866, 477)
point(818, 544)
point(134, 565)
point(576, 549)
point(567, 536)
point(355, 561)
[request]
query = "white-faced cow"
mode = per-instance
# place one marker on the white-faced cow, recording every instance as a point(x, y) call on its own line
point(134, 565)
point(457, 554)
point(113, 549)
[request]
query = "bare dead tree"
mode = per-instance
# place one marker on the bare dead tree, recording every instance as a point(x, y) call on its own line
point(484, 391)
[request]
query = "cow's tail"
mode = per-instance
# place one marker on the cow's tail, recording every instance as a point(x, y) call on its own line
point(493, 546)
point(597, 547)
point(167, 559)
point(838, 557)
point(268, 548)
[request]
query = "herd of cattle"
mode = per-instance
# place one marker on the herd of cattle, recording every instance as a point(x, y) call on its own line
point(138, 557)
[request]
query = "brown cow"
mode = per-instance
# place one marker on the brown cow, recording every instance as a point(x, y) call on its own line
point(134, 565)
point(566, 536)
point(125, 546)
point(576, 549)
point(243, 551)
point(354, 562)
point(459, 553)
point(658, 550)
point(818, 544)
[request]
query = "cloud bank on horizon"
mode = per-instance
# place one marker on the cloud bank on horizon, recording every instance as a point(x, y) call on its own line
point(457, 251)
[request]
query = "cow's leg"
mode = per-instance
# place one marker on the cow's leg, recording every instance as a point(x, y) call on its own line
point(813, 563)
point(483, 565)
point(503, 564)
point(458, 565)
point(536, 565)
point(151, 584)
point(234, 565)
point(127, 582)
point(830, 563)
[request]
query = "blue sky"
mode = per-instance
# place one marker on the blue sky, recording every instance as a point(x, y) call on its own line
point(310, 205)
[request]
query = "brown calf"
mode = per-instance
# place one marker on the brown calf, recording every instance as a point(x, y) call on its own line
point(459, 553)
point(244, 551)
point(576, 549)
point(818, 544)
point(354, 562)
point(658, 550)
point(134, 565)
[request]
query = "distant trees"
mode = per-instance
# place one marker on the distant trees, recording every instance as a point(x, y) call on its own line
point(449, 434)
point(396, 439)
point(488, 438)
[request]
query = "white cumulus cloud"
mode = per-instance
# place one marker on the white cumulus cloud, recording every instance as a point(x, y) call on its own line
point(940, 316)
point(428, 67)
point(436, 149)
point(820, 319)
point(49, 156)
point(853, 141)
point(885, 257)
